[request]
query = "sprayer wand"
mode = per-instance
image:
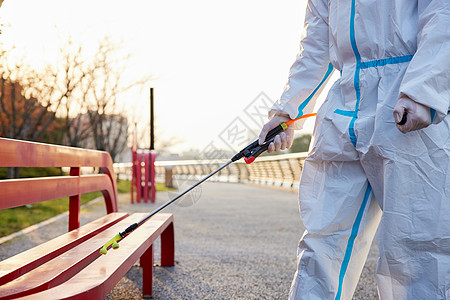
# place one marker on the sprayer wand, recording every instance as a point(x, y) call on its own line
point(249, 153)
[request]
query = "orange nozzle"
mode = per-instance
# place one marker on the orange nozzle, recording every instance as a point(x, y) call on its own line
point(301, 117)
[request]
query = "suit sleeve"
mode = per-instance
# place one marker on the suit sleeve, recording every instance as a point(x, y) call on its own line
point(311, 69)
point(427, 79)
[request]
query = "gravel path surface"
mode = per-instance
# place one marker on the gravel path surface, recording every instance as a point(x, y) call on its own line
point(233, 241)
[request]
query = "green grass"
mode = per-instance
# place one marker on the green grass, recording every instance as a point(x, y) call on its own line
point(123, 186)
point(15, 219)
point(160, 187)
point(32, 172)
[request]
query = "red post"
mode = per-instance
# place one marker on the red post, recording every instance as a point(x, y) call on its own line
point(147, 168)
point(133, 173)
point(74, 204)
point(152, 176)
point(147, 272)
point(133, 162)
point(138, 177)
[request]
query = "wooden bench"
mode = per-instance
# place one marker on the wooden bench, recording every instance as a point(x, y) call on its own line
point(71, 266)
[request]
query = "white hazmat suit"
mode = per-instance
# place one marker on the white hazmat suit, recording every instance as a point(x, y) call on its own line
point(360, 162)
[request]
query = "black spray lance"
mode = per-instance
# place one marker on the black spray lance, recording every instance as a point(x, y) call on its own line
point(249, 153)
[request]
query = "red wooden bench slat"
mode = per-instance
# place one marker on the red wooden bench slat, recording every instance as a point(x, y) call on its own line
point(24, 262)
point(65, 265)
point(96, 280)
point(41, 189)
point(16, 153)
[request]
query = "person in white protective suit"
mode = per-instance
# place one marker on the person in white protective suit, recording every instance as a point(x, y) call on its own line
point(364, 171)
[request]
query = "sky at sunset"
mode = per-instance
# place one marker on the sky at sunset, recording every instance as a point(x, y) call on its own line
point(216, 64)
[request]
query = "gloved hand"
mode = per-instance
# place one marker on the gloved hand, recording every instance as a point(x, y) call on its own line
point(281, 141)
point(418, 116)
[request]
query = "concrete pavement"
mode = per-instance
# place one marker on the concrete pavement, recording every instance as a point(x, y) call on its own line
point(233, 241)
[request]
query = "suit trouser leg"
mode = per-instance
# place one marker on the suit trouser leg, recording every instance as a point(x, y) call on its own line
point(341, 217)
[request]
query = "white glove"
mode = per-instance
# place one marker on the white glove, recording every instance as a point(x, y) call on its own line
point(283, 140)
point(418, 116)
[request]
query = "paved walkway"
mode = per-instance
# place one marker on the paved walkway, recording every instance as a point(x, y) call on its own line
point(233, 241)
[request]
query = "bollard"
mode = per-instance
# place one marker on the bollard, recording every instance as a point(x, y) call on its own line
point(168, 177)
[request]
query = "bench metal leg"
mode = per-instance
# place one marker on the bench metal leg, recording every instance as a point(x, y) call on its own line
point(168, 247)
point(147, 272)
point(74, 204)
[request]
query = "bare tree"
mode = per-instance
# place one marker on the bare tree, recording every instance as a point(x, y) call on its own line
point(106, 115)
point(44, 93)
point(81, 87)
point(63, 86)
point(22, 115)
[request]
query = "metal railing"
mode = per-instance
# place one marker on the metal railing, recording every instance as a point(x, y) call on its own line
point(278, 170)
